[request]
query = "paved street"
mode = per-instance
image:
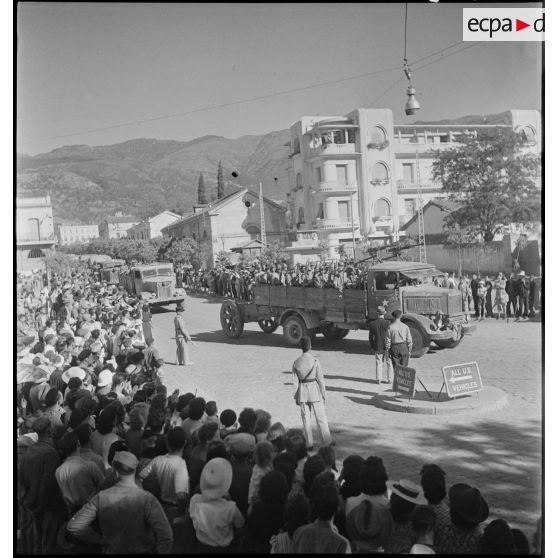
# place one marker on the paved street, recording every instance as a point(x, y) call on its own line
point(498, 451)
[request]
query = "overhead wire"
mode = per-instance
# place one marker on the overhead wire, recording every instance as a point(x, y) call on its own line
point(266, 96)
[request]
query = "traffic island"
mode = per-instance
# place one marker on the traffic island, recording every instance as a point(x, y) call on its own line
point(489, 399)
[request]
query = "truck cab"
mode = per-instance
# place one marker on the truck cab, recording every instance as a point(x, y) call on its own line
point(155, 283)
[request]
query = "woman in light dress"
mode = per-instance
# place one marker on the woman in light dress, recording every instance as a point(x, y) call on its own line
point(500, 296)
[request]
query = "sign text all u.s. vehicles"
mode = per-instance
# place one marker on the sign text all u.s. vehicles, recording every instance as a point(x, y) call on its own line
point(404, 379)
point(462, 379)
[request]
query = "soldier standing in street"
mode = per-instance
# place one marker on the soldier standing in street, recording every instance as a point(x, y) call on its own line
point(399, 341)
point(377, 339)
point(182, 338)
point(308, 381)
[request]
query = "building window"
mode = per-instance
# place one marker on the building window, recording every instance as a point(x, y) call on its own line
point(410, 206)
point(344, 212)
point(36, 253)
point(339, 136)
point(320, 213)
point(377, 135)
point(409, 173)
point(342, 175)
point(298, 181)
point(296, 146)
point(301, 220)
point(379, 174)
point(318, 172)
point(350, 136)
point(34, 232)
point(383, 208)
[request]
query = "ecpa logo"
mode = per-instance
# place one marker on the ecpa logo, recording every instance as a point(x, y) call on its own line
point(503, 24)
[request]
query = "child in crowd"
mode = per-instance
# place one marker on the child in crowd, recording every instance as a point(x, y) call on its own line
point(228, 422)
point(211, 413)
point(263, 457)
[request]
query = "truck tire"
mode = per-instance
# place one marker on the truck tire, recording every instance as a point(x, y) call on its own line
point(231, 320)
point(420, 344)
point(294, 329)
point(451, 343)
point(332, 332)
point(268, 326)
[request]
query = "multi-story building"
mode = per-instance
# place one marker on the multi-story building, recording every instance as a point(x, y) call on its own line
point(117, 226)
point(152, 227)
point(230, 222)
point(34, 232)
point(355, 177)
point(69, 234)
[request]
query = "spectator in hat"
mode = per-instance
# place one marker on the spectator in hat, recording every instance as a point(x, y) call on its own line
point(79, 480)
point(405, 496)
point(423, 520)
point(468, 509)
point(377, 340)
point(215, 518)
point(297, 514)
point(497, 538)
point(111, 476)
point(104, 382)
point(42, 501)
point(132, 520)
point(172, 474)
point(520, 542)
point(321, 536)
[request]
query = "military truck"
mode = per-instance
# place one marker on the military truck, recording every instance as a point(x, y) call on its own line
point(433, 314)
point(156, 283)
point(110, 271)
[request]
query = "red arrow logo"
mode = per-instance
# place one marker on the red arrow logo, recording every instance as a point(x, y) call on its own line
point(519, 25)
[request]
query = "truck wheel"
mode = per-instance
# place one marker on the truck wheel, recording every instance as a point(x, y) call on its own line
point(231, 320)
point(268, 326)
point(294, 329)
point(451, 343)
point(332, 332)
point(420, 344)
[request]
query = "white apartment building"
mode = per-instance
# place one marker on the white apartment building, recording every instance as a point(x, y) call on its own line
point(355, 177)
point(69, 234)
point(151, 228)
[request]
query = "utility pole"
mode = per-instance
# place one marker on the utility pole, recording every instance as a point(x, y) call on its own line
point(262, 218)
point(421, 235)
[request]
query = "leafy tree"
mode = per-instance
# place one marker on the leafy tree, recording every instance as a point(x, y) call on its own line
point(202, 194)
point(491, 178)
point(182, 251)
point(273, 254)
point(220, 182)
point(223, 258)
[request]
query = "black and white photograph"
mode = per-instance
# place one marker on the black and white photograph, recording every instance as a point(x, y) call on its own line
point(279, 278)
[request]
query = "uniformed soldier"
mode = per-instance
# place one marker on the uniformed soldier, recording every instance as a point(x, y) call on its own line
point(310, 390)
point(182, 338)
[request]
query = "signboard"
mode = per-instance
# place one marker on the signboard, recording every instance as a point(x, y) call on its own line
point(404, 379)
point(461, 379)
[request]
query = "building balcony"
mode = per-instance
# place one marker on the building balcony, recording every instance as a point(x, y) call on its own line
point(33, 239)
point(412, 187)
point(333, 150)
point(333, 187)
point(336, 224)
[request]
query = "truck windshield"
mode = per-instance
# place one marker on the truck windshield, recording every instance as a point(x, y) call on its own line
point(385, 280)
point(164, 271)
point(149, 273)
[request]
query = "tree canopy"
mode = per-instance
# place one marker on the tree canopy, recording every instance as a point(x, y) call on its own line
point(493, 179)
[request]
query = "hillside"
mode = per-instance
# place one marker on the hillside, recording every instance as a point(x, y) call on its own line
point(144, 176)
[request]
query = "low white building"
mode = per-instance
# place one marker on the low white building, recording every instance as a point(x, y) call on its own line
point(152, 227)
point(117, 226)
point(69, 234)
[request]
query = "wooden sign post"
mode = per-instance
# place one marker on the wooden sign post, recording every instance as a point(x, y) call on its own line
point(461, 379)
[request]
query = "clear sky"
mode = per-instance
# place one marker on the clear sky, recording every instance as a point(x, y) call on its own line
point(83, 67)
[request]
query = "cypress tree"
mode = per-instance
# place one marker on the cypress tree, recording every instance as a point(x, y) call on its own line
point(220, 182)
point(202, 195)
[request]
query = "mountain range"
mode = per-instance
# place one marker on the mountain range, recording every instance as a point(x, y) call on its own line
point(142, 177)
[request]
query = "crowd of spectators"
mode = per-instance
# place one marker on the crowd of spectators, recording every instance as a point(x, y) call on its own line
point(109, 461)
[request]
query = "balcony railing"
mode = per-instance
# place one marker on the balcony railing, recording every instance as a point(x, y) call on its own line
point(334, 149)
point(335, 224)
point(406, 185)
point(330, 186)
point(30, 238)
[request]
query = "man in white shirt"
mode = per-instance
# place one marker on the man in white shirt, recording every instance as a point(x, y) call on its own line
point(399, 341)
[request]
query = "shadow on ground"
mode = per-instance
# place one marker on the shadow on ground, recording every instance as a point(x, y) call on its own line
point(503, 461)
